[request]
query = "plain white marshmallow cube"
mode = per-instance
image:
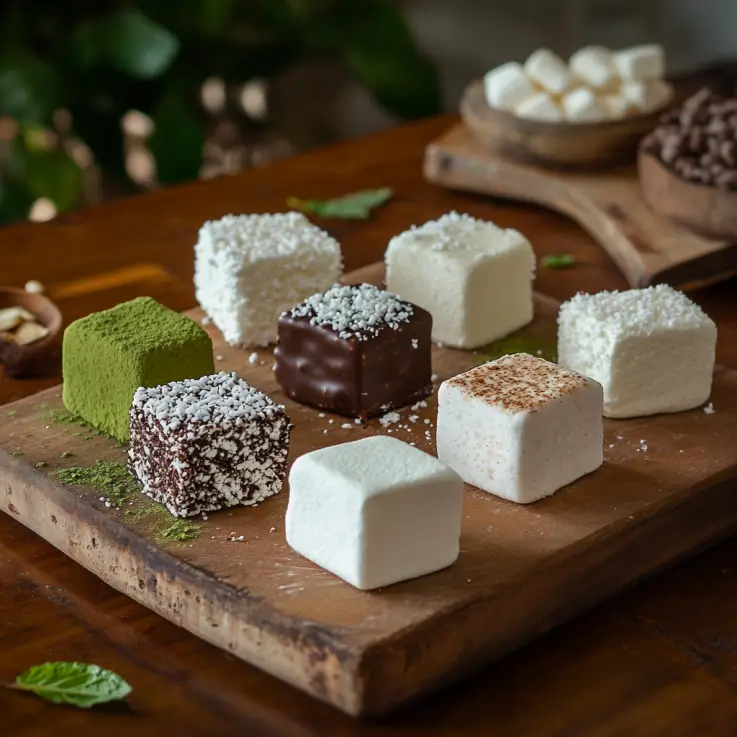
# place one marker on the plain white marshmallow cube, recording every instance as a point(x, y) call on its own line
point(251, 268)
point(507, 86)
point(640, 62)
point(473, 277)
point(652, 350)
point(594, 66)
point(540, 107)
point(375, 511)
point(549, 71)
point(520, 427)
point(647, 96)
point(581, 105)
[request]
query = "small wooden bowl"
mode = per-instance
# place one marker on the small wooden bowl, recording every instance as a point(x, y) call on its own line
point(42, 357)
point(702, 208)
point(555, 145)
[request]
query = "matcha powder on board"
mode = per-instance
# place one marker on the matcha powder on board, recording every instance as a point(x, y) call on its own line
point(109, 354)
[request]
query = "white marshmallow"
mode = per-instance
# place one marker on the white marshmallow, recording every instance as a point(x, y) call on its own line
point(474, 278)
point(251, 268)
point(594, 66)
point(375, 511)
point(580, 105)
point(640, 62)
point(507, 86)
point(549, 71)
point(540, 107)
point(651, 349)
point(520, 427)
point(615, 105)
point(647, 96)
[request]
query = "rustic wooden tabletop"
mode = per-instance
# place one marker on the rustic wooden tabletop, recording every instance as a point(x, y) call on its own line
point(658, 660)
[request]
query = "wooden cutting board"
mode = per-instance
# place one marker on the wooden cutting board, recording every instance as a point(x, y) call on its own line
point(521, 571)
point(646, 247)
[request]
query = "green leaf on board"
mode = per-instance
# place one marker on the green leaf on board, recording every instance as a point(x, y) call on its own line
point(138, 46)
point(355, 206)
point(558, 261)
point(77, 684)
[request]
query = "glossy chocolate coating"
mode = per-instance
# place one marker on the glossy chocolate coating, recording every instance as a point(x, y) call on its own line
point(357, 378)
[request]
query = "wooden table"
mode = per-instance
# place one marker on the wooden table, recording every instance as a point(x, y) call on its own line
point(659, 660)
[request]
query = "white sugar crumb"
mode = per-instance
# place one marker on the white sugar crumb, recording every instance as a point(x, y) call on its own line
point(357, 421)
point(219, 398)
point(709, 409)
point(346, 426)
point(34, 287)
point(643, 446)
point(415, 343)
point(253, 358)
point(422, 404)
point(458, 232)
point(634, 312)
point(360, 310)
point(267, 236)
point(331, 421)
point(218, 358)
point(389, 419)
point(413, 418)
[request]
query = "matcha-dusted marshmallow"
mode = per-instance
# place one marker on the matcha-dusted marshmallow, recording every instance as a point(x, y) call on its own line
point(108, 355)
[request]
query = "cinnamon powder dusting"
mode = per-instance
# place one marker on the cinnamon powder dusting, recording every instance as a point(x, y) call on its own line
point(518, 382)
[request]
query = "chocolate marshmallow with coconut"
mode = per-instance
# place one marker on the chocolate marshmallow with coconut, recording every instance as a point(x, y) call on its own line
point(200, 445)
point(355, 350)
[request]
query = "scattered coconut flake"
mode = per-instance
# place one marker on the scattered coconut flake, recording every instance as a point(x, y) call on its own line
point(389, 419)
point(206, 320)
point(253, 358)
point(709, 409)
point(346, 426)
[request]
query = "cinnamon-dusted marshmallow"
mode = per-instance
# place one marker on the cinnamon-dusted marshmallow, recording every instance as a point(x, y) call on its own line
point(520, 427)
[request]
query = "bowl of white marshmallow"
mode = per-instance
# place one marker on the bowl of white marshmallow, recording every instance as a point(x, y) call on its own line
point(590, 112)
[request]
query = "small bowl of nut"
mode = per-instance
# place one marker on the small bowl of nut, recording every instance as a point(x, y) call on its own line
point(688, 165)
point(587, 113)
point(30, 333)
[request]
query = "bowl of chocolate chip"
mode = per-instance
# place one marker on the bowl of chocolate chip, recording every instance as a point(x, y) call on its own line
point(30, 333)
point(688, 165)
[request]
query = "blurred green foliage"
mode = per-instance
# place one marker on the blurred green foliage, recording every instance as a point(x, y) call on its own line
point(100, 58)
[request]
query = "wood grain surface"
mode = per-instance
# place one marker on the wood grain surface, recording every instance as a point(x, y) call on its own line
point(659, 660)
point(521, 570)
point(647, 247)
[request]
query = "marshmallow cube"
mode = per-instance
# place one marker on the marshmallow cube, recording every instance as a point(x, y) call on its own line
point(640, 62)
point(251, 268)
point(520, 427)
point(549, 71)
point(375, 511)
point(474, 278)
point(615, 105)
point(651, 349)
point(580, 105)
point(507, 86)
point(594, 66)
point(647, 96)
point(540, 107)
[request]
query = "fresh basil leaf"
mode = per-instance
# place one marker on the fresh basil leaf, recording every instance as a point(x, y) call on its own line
point(355, 206)
point(77, 684)
point(558, 261)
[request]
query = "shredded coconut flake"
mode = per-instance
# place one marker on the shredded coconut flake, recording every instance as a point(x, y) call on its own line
point(219, 398)
point(709, 409)
point(360, 310)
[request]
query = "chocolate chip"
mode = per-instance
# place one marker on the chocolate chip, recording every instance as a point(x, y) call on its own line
point(697, 140)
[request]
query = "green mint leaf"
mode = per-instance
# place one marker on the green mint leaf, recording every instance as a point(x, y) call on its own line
point(78, 684)
point(558, 261)
point(355, 206)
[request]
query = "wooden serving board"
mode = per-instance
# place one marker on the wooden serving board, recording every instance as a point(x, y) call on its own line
point(521, 571)
point(647, 248)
